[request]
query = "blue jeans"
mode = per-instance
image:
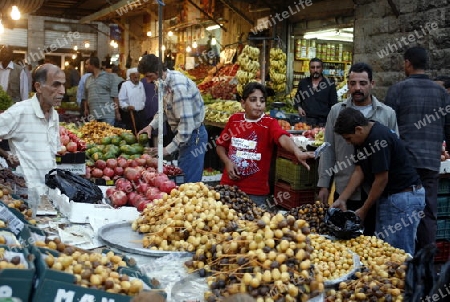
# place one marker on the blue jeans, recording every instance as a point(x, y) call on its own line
point(191, 156)
point(398, 216)
point(259, 200)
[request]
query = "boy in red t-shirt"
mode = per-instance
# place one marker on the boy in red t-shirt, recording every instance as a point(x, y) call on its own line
point(246, 144)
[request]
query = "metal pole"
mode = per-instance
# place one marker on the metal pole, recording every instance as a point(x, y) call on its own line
point(263, 63)
point(160, 90)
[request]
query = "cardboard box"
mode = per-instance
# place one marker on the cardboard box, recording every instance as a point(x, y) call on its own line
point(17, 283)
point(445, 167)
point(59, 286)
point(78, 212)
point(78, 169)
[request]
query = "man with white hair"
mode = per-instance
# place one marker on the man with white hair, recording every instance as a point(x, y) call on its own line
point(132, 102)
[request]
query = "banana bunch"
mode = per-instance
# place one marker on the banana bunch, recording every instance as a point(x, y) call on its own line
point(249, 66)
point(277, 71)
point(221, 111)
point(319, 138)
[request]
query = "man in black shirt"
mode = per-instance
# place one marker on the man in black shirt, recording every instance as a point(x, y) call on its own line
point(381, 161)
point(315, 95)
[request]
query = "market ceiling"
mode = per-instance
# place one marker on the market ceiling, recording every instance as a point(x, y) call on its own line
point(110, 10)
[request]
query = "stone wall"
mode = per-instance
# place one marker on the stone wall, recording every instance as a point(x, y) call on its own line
point(381, 37)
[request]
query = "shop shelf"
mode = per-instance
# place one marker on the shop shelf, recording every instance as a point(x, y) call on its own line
point(286, 197)
point(444, 186)
point(443, 229)
point(443, 251)
point(443, 206)
point(289, 170)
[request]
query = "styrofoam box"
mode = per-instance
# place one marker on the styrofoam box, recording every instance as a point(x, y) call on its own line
point(78, 212)
point(445, 167)
point(211, 178)
point(79, 169)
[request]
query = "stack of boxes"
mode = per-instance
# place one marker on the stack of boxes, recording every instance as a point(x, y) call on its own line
point(443, 223)
point(294, 184)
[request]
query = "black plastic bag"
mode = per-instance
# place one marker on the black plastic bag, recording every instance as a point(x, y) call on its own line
point(442, 287)
point(75, 187)
point(420, 275)
point(343, 225)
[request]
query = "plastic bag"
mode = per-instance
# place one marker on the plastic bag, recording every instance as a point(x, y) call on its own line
point(420, 275)
point(343, 225)
point(442, 287)
point(74, 186)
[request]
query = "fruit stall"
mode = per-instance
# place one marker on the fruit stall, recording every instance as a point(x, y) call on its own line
point(157, 234)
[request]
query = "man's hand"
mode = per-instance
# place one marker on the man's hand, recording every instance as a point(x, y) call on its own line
point(12, 160)
point(147, 130)
point(129, 108)
point(361, 213)
point(324, 193)
point(340, 204)
point(301, 111)
point(118, 117)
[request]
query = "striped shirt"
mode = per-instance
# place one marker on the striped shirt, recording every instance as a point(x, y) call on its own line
point(422, 108)
point(183, 108)
point(32, 138)
point(99, 93)
point(132, 95)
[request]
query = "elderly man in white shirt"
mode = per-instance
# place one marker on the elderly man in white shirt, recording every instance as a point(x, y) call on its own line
point(32, 126)
point(132, 101)
point(13, 77)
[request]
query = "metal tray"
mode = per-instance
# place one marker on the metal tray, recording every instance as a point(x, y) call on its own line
point(121, 236)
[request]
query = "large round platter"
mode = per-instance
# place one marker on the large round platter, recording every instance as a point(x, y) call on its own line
point(121, 236)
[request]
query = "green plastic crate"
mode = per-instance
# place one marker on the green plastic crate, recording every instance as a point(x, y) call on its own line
point(443, 207)
point(444, 186)
point(295, 174)
point(443, 229)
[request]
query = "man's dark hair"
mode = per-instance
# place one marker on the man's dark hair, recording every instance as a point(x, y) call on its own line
point(40, 75)
point(316, 60)
point(417, 56)
point(360, 68)
point(251, 87)
point(150, 63)
point(348, 120)
point(94, 61)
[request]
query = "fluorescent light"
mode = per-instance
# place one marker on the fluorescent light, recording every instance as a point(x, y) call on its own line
point(2, 28)
point(15, 13)
point(213, 27)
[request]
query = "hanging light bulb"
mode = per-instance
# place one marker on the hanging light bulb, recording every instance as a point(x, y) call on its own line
point(66, 63)
point(112, 43)
point(194, 45)
point(163, 48)
point(149, 33)
point(74, 57)
point(2, 28)
point(170, 33)
point(15, 13)
point(75, 48)
point(87, 44)
point(213, 41)
point(188, 49)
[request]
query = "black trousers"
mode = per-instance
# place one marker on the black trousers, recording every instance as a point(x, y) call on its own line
point(426, 232)
point(369, 222)
point(139, 118)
